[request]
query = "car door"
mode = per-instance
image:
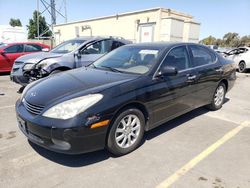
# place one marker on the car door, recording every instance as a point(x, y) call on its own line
point(174, 95)
point(11, 53)
point(240, 55)
point(93, 51)
point(208, 72)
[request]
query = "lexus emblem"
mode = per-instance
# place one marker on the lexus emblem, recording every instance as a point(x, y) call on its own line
point(33, 94)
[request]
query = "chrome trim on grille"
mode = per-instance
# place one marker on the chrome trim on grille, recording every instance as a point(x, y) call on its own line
point(34, 109)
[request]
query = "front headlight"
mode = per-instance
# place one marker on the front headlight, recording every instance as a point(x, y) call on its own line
point(44, 63)
point(71, 108)
point(28, 66)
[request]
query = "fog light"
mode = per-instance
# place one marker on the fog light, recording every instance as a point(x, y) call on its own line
point(59, 144)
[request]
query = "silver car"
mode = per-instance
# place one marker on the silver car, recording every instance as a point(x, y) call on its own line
point(68, 55)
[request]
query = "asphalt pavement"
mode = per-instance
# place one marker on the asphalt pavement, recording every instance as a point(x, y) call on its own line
point(199, 149)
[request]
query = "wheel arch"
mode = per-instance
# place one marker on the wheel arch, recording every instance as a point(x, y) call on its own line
point(134, 104)
point(225, 81)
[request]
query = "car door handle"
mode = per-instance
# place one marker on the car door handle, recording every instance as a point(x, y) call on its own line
point(191, 77)
point(219, 70)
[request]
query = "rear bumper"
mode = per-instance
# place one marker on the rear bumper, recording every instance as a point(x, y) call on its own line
point(73, 140)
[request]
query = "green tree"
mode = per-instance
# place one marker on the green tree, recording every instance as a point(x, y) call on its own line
point(231, 39)
point(219, 42)
point(245, 40)
point(15, 22)
point(43, 26)
point(209, 40)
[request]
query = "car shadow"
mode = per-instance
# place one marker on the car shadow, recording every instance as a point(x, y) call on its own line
point(81, 160)
point(174, 123)
point(4, 73)
point(72, 160)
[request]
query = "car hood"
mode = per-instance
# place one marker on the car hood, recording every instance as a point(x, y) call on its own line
point(74, 83)
point(37, 57)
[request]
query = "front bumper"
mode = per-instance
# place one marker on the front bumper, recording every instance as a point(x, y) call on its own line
point(68, 140)
point(18, 77)
point(20, 80)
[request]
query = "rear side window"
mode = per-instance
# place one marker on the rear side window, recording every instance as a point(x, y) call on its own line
point(99, 47)
point(116, 44)
point(202, 56)
point(18, 48)
point(32, 48)
point(178, 58)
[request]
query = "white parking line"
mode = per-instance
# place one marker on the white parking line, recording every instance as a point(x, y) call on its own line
point(192, 163)
point(4, 107)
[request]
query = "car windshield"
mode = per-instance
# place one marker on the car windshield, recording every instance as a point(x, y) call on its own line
point(129, 59)
point(67, 47)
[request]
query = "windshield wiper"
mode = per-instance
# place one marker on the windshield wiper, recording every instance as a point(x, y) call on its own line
point(111, 68)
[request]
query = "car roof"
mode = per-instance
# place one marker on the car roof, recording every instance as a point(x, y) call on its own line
point(13, 43)
point(92, 38)
point(163, 45)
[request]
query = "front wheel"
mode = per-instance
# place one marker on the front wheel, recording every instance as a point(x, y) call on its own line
point(218, 97)
point(126, 132)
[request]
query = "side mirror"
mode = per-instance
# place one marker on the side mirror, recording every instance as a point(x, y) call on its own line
point(77, 54)
point(167, 71)
point(45, 49)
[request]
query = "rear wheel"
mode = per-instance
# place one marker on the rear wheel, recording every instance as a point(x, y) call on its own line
point(218, 98)
point(126, 132)
point(242, 67)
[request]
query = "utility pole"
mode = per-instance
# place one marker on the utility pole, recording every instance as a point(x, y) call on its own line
point(53, 19)
point(53, 8)
point(37, 19)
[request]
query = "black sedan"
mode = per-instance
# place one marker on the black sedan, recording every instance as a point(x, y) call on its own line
point(112, 102)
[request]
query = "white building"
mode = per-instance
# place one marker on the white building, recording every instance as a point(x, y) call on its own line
point(156, 24)
point(12, 34)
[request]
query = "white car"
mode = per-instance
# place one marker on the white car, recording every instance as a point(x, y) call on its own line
point(241, 56)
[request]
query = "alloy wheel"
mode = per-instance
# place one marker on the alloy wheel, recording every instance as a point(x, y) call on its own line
point(219, 96)
point(242, 67)
point(127, 131)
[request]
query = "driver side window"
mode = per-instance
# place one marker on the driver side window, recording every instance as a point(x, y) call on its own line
point(100, 47)
point(14, 49)
point(178, 58)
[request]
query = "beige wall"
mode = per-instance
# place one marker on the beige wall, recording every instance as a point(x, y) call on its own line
point(46, 42)
point(191, 32)
point(128, 26)
point(124, 26)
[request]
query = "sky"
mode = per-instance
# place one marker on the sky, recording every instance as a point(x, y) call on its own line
point(217, 17)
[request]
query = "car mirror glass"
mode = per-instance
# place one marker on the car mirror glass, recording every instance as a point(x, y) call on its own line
point(45, 49)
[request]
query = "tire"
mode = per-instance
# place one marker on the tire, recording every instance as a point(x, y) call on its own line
point(242, 67)
point(121, 132)
point(55, 72)
point(218, 97)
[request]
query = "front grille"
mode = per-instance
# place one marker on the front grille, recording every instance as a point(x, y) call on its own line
point(34, 109)
point(18, 62)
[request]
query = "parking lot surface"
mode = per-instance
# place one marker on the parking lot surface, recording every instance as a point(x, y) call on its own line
point(198, 149)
